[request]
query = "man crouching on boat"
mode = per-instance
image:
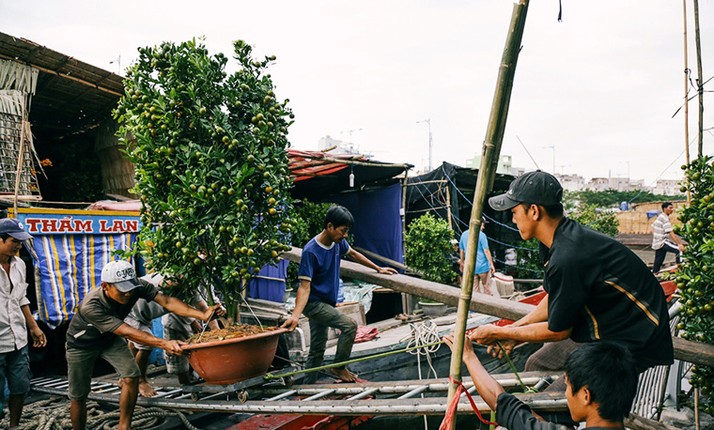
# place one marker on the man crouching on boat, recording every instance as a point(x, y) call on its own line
point(601, 383)
point(97, 329)
point(597, 288)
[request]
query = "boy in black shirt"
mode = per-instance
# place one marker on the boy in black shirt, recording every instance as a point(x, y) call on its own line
point(601, 383)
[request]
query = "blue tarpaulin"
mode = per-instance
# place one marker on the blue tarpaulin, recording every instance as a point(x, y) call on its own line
point(269, 284)
point(69, 249)
point(378, 224)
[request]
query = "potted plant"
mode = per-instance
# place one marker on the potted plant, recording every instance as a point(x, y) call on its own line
point(429, 250)
point(211, 167)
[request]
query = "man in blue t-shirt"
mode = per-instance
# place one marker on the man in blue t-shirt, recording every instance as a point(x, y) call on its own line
point(319, 275)
point(484, 263)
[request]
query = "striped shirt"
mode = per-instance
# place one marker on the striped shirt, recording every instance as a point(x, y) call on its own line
point(660, 232)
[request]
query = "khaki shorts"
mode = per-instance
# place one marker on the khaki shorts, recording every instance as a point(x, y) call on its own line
point(80, 366)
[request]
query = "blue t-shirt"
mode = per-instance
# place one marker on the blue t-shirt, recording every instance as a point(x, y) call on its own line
point(320, 265)
point(482, 265)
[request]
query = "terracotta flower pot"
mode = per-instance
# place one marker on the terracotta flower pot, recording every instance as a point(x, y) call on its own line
point(233, 360)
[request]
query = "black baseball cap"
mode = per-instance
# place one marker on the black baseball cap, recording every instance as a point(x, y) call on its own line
point(537, 187)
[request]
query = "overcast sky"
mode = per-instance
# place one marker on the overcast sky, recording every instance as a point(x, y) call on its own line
point(601, 86)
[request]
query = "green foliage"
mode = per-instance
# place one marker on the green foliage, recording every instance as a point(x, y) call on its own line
point(429, 250)
point(695, 276)
point(529, 259)
point(211, 165)
point(308, 221)
point(613, 198)
point(530, 264)
point(603, 221)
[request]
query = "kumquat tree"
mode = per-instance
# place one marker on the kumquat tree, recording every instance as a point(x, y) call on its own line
point(695, 276)
point(211, 166)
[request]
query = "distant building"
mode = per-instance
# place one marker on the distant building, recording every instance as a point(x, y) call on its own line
point(336, 146)
point(505, 165)
point(667, 187)
point(598, 184)
point(615, 183)
point(571, 182)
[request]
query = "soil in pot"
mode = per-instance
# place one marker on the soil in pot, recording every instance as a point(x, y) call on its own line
point(234, 354)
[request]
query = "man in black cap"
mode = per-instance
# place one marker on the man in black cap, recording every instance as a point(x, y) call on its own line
point(597, 288)
point(97, 329)
point(16, 320)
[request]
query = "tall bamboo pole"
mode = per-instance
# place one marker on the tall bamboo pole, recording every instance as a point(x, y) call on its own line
point(686, 89)
point(486, 175)
point(700, 79)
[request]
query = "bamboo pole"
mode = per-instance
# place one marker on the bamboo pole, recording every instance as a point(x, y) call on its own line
point(699, 80)
point(686, 88)
point(20, 159)
point(486, 176)
point(406, 298)
point(448, 207)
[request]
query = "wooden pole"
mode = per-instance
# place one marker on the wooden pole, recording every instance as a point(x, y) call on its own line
point(20, 158)
point(448, 207)
point(685, 350)
point(406, 298)
point(700, 79)
point(686, 89)
point(486, 176)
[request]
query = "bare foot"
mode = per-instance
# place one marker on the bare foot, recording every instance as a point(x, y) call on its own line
point(146, 390)
point(344, 375)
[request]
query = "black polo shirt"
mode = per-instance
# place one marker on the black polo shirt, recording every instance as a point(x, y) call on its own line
point(604, 291)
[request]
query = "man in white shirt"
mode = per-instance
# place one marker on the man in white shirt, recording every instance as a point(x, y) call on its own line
point(663, 238)
point(15, 319)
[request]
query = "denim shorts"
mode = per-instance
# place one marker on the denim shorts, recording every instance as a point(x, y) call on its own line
point(80, 366)
point(15, 369)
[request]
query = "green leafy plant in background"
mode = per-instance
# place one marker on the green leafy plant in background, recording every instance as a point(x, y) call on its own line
point(429, 249)
point(211, 165)
point(591, 216)
point(695, 276)
point(530, 261)
point(308, 221)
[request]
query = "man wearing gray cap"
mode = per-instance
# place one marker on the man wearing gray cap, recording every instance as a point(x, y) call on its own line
point(16, 320)
point(597, 288)
point(97, 329)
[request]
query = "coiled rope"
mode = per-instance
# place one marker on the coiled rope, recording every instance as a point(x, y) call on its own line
point(53, 414)
point(424, 341)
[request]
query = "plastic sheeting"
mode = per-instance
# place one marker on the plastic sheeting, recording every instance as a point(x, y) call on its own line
point(378, 224)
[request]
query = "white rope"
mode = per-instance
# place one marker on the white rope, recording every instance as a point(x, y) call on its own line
point(424, 333)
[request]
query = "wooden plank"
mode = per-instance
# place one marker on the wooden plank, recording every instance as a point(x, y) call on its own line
point(420, 287)
point(685, 350)
point(693, 352)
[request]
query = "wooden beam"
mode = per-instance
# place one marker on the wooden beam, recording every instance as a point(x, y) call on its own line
point(693, 352)
point(432, 290)
point(685, 350)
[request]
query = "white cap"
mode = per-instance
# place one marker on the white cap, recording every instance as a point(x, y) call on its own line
point(121, 274)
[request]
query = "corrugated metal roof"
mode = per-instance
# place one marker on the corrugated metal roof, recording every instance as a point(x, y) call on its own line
point(72, 96)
